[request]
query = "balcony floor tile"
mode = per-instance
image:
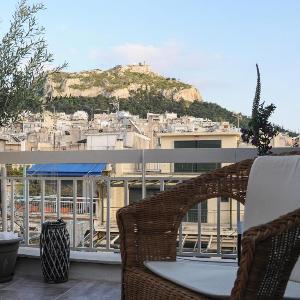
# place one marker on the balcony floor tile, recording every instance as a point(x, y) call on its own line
point(31, 287)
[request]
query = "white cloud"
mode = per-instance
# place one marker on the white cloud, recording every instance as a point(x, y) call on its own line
point(160, 57)
point(171, 59)
point(166, 58)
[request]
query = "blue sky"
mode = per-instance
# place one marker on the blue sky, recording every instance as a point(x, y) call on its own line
point(211, 44)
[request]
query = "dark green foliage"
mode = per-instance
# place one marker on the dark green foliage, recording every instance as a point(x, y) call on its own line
point(283, 130)
point(14, 171)
point(214, 112)
point(92, 106)
point(260, 131)
point(144, 101)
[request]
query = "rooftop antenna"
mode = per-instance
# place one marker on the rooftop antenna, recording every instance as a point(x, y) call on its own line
point(239, 117)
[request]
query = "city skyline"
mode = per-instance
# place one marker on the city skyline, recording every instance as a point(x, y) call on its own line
point(213, 46)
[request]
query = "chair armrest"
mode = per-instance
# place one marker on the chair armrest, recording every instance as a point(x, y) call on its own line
point(269, 253)
point(148, 229)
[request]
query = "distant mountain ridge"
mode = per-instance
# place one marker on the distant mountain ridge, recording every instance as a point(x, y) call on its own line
point(118, 82)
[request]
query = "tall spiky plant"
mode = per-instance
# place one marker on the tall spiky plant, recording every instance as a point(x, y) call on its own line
point(256, 99)
point(260, 130)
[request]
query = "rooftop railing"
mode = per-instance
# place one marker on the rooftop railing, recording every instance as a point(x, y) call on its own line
point(90, 216)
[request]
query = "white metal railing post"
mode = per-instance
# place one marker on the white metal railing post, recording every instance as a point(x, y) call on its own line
point(126, 193)
point(180, 233)
point(91, 186)
point(4, 198)
point(58, 188)
point(12, 205)
point(74, 211)
point(143, 175)
point(161, 185)
point(42, 201)
point(97, 206)
point(219, 226)
point(239, 234)
point(199, 227)
point(180, 239)
point(26, 217)
point(238, 212)
point(108, 186)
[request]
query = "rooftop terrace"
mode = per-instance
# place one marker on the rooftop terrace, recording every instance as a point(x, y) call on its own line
point(95, 271)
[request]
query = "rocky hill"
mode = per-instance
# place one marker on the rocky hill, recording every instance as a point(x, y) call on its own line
point(118, 82)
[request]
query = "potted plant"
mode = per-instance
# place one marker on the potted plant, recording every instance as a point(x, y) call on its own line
point(9, 245)
point(260, 131)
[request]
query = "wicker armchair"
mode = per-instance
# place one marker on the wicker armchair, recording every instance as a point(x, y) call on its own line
point(148, 231)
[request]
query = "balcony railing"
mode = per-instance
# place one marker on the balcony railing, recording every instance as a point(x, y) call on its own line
point(91, 217)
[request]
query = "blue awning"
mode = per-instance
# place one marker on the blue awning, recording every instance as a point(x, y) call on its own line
point(65, 170)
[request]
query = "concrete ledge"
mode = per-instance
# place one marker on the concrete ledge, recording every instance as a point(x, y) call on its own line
point(218, 260)
point(84, 265)
point(109, 258)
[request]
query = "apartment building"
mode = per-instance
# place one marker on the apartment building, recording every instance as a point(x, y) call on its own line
point(224, 138)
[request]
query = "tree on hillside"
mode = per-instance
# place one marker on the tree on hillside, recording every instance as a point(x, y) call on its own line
point(24, 59)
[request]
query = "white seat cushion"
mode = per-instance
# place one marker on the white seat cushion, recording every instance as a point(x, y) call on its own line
point(210, 279)
point(273, 190)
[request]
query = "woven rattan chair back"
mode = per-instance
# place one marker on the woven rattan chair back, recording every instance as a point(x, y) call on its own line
point(148, 231)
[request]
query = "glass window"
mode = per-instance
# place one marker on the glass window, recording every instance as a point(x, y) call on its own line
point(192, 214)
point(198, 144)
point(224, 199)
point(196, 167)
point(135, 194)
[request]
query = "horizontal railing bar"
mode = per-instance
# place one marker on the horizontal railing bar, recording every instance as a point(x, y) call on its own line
point(82, 249)
point(228, 155)
point(206, 255)
point(65, 201)
point(182, 256)
point(86, 156)
point(173, 176)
